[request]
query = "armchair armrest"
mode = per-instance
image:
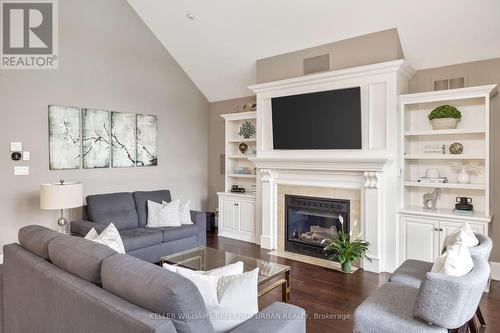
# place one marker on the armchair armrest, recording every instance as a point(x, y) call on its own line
point(276, 318)
point(200, 220)
point(82, 227)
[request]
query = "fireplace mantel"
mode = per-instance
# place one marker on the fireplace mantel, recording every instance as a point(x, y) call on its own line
point(342, 161)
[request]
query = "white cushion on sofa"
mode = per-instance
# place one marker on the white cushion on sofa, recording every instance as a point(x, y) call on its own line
point(165, 214)
point(230, 298)
point(109, 236)
point(184, 212)
point(463, 234)
point(456, 261)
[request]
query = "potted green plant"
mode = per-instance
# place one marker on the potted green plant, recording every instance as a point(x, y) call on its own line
point(340, 248)
point(247, 130)
point(445, 117)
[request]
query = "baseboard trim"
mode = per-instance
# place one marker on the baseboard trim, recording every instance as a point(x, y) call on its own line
point(495, 270)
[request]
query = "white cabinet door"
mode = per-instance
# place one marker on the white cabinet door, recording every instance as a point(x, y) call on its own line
point(420, 239)
point(228, 214)
point(246, 211)
point(447, 227)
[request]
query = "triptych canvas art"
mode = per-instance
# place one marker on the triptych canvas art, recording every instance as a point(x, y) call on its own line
point(92, 138)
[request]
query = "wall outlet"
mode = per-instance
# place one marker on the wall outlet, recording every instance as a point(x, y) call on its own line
point(21, 170)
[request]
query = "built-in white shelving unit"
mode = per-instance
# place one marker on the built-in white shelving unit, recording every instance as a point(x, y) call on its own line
point(237, 211)
point(422, 231)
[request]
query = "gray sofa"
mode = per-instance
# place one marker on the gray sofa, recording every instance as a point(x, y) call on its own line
point(129, 213)
point(57, 283)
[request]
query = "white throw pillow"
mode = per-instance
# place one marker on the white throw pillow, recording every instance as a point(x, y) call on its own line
point(184, 212)
point(456, 261)
point(463, 234)
point(109, 236)
point(164, 214)
point(230, 300)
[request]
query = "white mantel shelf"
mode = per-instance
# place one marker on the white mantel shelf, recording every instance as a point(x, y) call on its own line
point(359, 161)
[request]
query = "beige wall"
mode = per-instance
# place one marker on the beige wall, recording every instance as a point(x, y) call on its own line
point(108, 59)
point(475, 73)
point(363, 50)
point(216, 145)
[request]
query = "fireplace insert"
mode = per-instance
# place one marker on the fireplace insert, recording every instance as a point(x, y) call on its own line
point(309, 220)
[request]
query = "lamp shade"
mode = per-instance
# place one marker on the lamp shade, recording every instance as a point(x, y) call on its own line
point(61, 196)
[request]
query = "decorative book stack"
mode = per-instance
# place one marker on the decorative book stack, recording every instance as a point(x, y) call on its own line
point(437, 180)
point(435, 149)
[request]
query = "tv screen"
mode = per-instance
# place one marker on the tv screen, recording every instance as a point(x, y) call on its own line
point(321, 120)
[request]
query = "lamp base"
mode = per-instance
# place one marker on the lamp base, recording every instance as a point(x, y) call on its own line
point(62, 225)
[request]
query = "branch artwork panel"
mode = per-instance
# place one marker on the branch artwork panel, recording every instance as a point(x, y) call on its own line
point(96, 135)
point(123, 140)
point(147, 154)
point(64, 137)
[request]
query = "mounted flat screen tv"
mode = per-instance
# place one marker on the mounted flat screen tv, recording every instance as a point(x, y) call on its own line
point(321, 120)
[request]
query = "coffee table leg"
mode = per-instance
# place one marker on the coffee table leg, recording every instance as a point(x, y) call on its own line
point(285, 288)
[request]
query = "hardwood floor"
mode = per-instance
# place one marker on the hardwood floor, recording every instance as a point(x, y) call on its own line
point(330, 297)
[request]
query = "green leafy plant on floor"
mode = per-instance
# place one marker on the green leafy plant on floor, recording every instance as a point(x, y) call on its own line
point(445, 111)
point(341, 249)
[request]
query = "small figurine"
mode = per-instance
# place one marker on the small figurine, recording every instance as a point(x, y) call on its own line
point(431, 198)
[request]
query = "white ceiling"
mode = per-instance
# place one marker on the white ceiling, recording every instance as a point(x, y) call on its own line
point(218, 49)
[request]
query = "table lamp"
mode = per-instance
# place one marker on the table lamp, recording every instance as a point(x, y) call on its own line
point(61, 196)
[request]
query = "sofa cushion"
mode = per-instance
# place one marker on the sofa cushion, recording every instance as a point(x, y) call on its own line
point(139, 237)
point(175, 233)
point(411, 273)
point(141, 202)
point(116, 208)
point(79, 256)
point(154, 288)
point(36, 239)
point(390, 309)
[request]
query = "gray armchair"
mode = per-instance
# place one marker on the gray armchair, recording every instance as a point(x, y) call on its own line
point(413, 272)
point(442, 303)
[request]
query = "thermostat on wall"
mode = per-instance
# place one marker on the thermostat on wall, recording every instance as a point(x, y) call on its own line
point(16, 146)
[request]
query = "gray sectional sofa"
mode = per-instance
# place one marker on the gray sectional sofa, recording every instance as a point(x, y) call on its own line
point(129, 213)
point(57, 283)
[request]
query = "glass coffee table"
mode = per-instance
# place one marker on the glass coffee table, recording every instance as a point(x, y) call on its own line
point(271, 275)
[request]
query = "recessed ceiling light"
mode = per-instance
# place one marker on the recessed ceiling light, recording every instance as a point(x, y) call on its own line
point(190, 16)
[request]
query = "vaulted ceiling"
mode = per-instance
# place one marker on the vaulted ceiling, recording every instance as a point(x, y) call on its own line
point(218, 49)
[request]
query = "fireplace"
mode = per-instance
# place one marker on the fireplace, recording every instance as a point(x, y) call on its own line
point(309, 220)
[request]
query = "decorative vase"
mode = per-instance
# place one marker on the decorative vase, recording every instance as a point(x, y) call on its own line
point(432, 173)
point(444, 123)
point(463, 177)
point(243, 147)
point(346, 267)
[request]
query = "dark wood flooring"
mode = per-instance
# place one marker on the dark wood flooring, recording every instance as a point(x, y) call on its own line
point(330, 297)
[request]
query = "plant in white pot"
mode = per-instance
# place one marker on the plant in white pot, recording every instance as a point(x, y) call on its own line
point(342, 249)
point(445, 117)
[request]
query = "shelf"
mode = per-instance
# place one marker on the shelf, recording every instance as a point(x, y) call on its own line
point(234, 175)
point(443, 157)
point(242, 140)
point(238, 116)
point(447, 185)
point(240, 195)
point(441, 213)
point(445, 132)
point(240, 156)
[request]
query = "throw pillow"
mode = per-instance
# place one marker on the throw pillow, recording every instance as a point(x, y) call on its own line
point(464, 234)
point(109, 236)
point(164, 214)
point(184, 212)
point(231, 299)
point(456, 261)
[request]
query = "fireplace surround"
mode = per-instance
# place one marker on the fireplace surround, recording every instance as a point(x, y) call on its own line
point(310, 220)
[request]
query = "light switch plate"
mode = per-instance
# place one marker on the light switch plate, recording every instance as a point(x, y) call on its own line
point(26, 156)
point(21, 170)
point(16, 146)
